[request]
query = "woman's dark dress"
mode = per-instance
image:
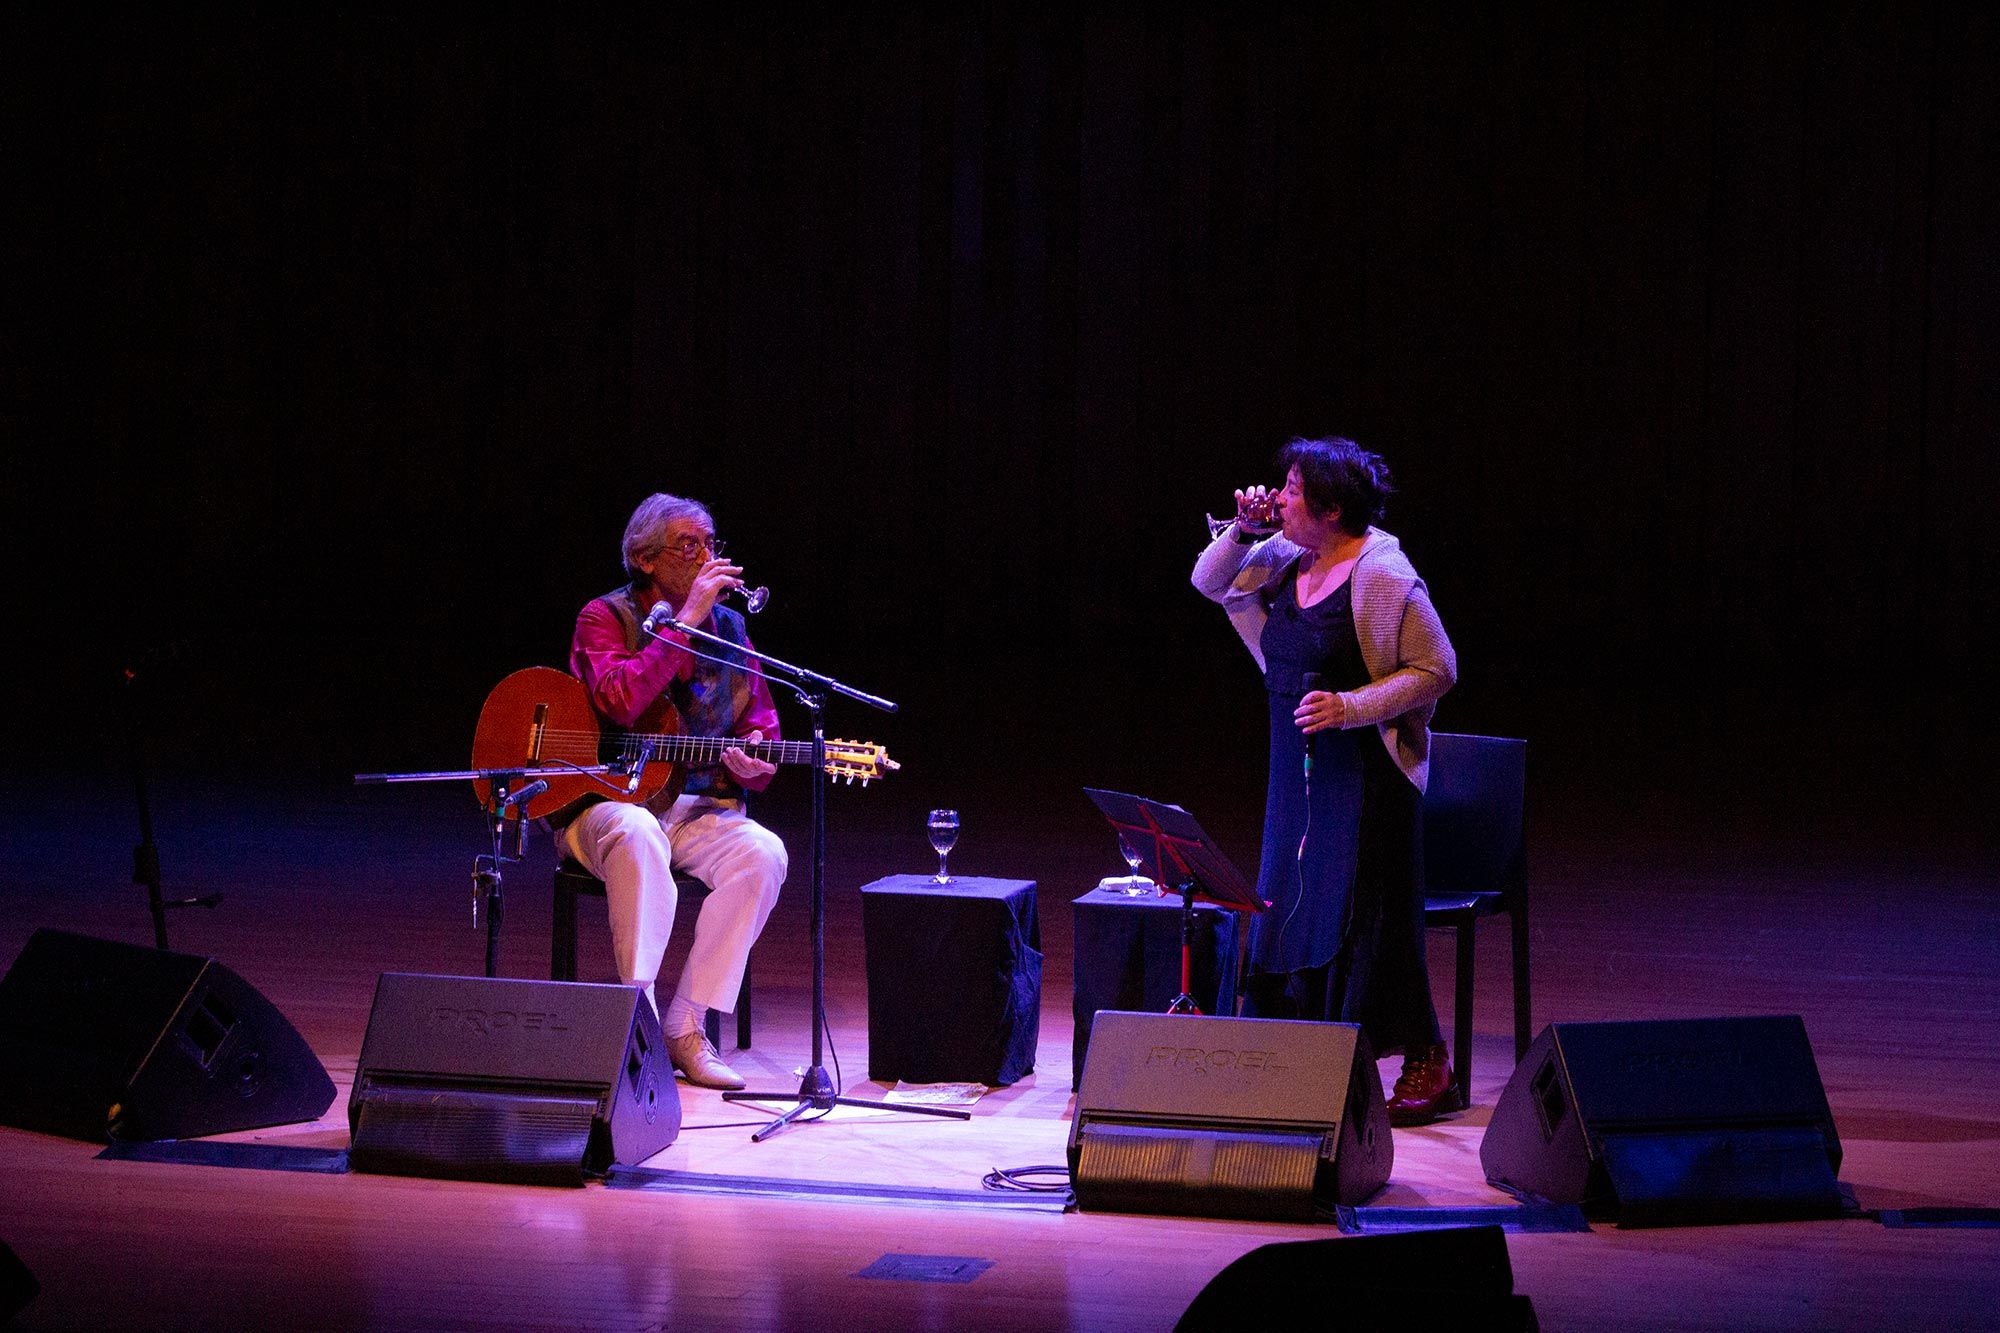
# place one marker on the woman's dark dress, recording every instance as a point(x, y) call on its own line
point(1349, 948)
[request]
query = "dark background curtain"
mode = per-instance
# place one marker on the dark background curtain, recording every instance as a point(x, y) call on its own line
point(340, 344)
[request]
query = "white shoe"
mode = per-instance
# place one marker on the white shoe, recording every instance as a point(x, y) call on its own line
point(699, 1064)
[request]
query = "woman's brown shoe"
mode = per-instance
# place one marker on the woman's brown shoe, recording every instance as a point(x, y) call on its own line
point(1425, 1088)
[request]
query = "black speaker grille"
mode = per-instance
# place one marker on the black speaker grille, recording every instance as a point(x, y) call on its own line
point(465, 1134)
point(1214, 1173)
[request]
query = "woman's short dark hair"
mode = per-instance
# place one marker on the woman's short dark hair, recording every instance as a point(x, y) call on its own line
point(1337, 473)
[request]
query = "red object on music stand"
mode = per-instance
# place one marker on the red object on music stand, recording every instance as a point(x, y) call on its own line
point(1183, 856)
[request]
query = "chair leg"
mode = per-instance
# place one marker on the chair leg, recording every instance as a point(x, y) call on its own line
point(743, 1010)
point(562, 933)
point(714, 1020)
point(1523, 1013)
point(1462, 1018)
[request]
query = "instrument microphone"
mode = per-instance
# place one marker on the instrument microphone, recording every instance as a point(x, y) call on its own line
point(526, 794)
point(639, 766)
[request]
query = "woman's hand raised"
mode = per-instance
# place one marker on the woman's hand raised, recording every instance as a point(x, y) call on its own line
point(1256, 509)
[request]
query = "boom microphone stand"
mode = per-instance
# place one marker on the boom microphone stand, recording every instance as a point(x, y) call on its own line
point(816, 1091)
point(511, 788)
point(146, 855)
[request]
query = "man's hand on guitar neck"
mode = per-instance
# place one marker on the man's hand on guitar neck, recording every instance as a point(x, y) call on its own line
point(717, 576)
point(746, 767)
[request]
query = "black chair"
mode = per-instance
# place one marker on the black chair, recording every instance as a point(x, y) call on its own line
point(1476, 865)
point(571, 880)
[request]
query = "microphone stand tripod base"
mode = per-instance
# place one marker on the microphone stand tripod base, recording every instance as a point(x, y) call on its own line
point(816, 1093)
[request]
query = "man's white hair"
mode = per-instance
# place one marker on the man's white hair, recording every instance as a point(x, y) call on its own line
point(646, 533)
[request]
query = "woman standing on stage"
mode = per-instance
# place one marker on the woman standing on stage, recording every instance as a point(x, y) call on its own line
point(1354, 661)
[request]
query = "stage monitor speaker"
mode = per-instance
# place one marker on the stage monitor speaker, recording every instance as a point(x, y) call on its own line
point(1454, 1277)
point(102, 1040)
point(1667, 1122)
point(1227, 1117)
point(17, 1284)
point(481, 1078)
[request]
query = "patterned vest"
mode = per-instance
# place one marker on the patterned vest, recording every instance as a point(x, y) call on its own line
point(710, 701)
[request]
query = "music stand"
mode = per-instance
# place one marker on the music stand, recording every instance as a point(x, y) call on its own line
point(1184, 857)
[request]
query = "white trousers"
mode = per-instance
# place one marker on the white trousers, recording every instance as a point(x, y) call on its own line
point(636, 852)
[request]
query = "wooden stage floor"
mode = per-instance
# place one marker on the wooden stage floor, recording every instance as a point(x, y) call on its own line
point(1887, 955)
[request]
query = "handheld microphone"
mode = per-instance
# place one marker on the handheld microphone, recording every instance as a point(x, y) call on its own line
point(1312, 681)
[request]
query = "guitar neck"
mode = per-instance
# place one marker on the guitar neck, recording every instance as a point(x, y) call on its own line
point(709, 749)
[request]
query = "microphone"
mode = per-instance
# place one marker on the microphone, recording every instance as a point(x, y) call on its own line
point(639, 766)
point(526, 794)
point(658, 616)
point(1310, 682)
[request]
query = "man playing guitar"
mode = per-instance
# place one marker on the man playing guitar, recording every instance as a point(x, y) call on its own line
point(634, 679)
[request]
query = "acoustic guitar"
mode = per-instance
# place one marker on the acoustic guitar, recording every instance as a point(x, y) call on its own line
point(541, 718)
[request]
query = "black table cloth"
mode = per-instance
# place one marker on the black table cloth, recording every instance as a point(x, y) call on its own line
point(1128, 956)
point(954, 979)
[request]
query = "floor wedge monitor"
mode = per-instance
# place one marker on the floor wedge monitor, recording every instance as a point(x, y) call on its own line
point(1452, 1278)
point(1666, 1122)
point(1227, 1117)
point(100, 1039)
point(481, 1078)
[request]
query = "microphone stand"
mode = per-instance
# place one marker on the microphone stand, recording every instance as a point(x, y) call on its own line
point(816, 1091)
point(511, 787)
point(146, 855)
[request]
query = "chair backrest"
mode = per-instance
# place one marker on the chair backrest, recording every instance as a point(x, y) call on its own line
point(1475, 838)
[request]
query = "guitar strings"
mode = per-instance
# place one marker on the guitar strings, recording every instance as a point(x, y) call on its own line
point(682, 737)
point(576, 754)
point(792, 751)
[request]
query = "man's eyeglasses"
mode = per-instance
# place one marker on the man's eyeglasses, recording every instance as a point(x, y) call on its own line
point(687, 548)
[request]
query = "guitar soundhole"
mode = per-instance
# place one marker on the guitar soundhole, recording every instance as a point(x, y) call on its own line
point(537, 730)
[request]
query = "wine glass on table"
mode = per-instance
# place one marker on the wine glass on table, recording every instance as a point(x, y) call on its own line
point(1133, 884)
point(943, 826)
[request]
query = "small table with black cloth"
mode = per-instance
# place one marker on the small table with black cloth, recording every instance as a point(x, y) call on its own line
point(1128, 956)
point(954, 979)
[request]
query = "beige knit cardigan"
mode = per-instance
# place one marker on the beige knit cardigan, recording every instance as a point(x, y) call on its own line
point(1410, 661)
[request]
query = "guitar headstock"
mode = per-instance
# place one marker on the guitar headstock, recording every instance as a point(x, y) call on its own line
point(852, 760)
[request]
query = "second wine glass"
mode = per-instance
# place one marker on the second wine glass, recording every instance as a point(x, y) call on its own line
point(943, 826)
point(1132, 884)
